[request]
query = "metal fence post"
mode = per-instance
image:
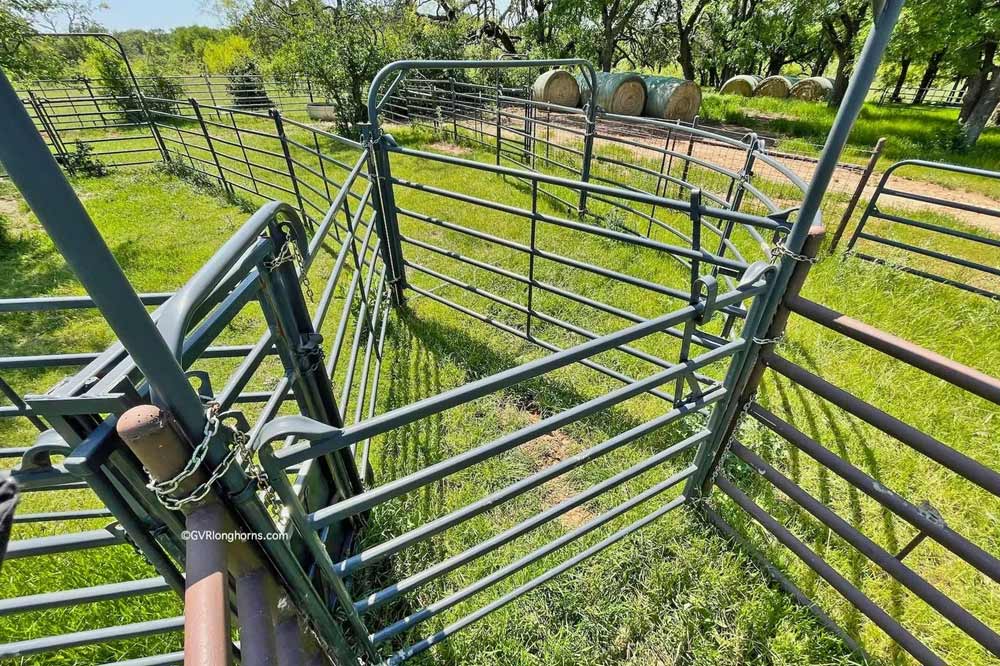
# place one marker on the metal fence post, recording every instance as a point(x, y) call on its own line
point(384, 202)
point(211, 147)
point(454, 109)
point(764, 309)
point(211, 94)
point(588, 146)
point(687, 162)
point(280, 128)
point(47, 125)
point(858, 191)
point(775, 332)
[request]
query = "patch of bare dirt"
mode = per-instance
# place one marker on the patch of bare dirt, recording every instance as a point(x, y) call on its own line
point(449, 149)
point(549, 450)
point(9, 208)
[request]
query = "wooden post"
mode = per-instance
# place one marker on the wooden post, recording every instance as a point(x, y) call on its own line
point(858, 191)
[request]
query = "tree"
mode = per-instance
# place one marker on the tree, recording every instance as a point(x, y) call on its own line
point(685, 26)
point(983, 95)
point(21, 56)
point(842, 23)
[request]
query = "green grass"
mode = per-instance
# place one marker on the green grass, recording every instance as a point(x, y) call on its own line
point(675, 593)
point(912, 132)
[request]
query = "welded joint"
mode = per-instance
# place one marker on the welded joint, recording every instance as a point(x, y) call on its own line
point(931, 514)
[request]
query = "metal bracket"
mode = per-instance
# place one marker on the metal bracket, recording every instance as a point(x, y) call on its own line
point(706, 304)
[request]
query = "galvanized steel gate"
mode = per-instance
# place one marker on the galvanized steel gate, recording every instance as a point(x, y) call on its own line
point(308, 475)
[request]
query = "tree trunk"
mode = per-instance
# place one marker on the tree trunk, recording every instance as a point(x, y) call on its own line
point(607, 54)
point(684, 56)
point(929, 75)
point(977, 83)
point(845, 65)
point(982, 97)
point(904, 67)
point(775, 62)
point(822, 60)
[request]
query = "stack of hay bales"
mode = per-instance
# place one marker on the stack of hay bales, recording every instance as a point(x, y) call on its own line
point(775, 86)
point(742, 85)
point(556, 86)
point(813, 89)
point(670, 98)
point(620, 93)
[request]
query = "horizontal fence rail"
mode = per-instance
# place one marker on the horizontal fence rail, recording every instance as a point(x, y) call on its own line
point(750, 484)
point(951, 252)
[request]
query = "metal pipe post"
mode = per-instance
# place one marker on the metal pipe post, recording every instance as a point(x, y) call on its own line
point(858, 191)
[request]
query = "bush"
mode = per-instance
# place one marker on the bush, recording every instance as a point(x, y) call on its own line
point(246, 86)
point(81, 162)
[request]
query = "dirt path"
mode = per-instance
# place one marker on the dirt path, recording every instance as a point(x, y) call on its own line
point(845, 179)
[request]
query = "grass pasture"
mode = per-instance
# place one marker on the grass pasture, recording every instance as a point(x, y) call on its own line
point(676, 593)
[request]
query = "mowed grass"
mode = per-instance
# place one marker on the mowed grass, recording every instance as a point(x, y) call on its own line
point(676, 592)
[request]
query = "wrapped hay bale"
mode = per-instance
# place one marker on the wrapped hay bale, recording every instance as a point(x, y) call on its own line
point(556, 86)
point(741, 84)
point(617, 92)
point(775, 86)
point(671, 98)
point(813, 89)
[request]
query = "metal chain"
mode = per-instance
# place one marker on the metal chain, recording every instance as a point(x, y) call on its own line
point(214, 422)
point(768, 341)
point(289, 252)
point(729, 442)
point(779, 249)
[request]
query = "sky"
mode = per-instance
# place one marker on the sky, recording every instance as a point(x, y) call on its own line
point(166, 14)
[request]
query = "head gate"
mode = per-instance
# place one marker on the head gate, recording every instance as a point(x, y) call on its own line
point(522, 243)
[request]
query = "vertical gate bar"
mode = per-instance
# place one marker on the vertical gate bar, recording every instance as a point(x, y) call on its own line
point(588, 140)
point(659, 181)
point(211, 96)
point(46, 122)
point(687, 162)
point(246, 157)
point(858, 191)
point(385, 206)
point(531, 255)
point(90, 91)
point(322, 170)
point(735, 197)
point(765, 307)
point(499, 118)
point(280, 129)
point(211, 147)
point(689, 326)
point(454, 110)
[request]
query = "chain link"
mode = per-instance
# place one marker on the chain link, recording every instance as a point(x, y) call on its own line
point(779, 249)
point(729, 442)
point(289, 252)
point(768, 341)
point(213, 423)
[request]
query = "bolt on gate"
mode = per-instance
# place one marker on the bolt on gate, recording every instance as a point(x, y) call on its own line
point(165, 456)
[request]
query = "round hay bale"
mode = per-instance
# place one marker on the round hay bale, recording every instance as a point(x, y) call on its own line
point(775, 86)
point(671, 98)
point(556, 86)
point(741, 84)
point(617, 92)
point(813, 89)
